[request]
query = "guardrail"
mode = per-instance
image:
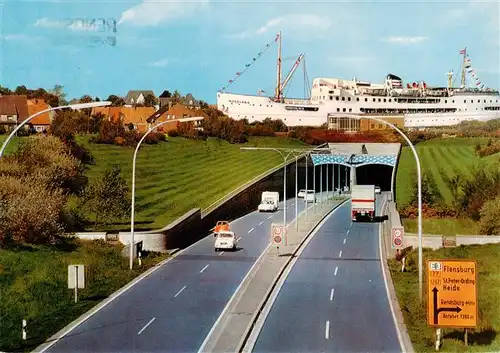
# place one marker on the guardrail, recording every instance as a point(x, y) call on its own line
point(241, 188)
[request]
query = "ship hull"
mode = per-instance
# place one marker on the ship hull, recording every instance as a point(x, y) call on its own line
point(306, 113)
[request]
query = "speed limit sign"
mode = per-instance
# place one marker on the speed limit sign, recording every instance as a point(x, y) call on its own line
point(277, 234)
point(397, 238)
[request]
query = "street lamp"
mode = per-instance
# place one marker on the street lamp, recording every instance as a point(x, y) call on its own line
point(132, 215)
point(419, 189)
point(285, 158)
point(71, 106)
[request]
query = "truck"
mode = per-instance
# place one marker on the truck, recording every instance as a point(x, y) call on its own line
point(363, 202)
point(269, 201)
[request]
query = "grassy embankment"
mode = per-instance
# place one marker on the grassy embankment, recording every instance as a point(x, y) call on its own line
point(441, 159)
point(486, 337)
point(176, 176)
point(33, 286)
point(172, 178)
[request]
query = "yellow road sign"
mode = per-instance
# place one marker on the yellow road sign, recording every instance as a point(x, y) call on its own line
point(452, 293)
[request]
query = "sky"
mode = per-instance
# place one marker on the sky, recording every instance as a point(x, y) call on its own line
point(110, 47)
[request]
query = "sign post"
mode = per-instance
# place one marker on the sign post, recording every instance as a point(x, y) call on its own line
point(76, 278)
point(451, 294)
point(397, 238)
point(277, 235)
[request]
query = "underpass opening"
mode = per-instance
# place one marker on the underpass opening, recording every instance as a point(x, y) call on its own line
point(375, 174)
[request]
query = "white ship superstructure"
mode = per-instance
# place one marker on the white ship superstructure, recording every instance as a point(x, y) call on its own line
point(419, 104)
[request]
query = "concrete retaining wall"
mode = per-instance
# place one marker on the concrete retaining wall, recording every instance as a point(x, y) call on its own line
point(91, 235)
point(197, 223)
point(437, 241)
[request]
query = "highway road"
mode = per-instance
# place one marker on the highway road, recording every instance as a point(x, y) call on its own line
point(334, 298)
point(174, 308)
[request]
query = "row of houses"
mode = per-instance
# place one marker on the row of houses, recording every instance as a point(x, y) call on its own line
point(14, 109)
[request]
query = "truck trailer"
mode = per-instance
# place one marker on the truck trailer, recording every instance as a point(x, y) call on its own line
point(363, 202)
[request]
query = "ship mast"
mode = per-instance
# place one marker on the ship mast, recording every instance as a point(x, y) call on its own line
point(462, 82)
point(278, 80)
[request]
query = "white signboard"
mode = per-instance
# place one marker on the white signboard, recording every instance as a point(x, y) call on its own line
point(277, 234)
point(76, 276)
point(397, 238)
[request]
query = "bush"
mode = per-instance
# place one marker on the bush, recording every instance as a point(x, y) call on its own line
point(489, 223)
point(30, 212)
point(491, 148)
point(49, 159)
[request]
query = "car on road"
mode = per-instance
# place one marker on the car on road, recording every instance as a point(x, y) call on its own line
point(221, 226)
point(225, 240)
point(267, 206)
point(302, 193)
point(378, 190)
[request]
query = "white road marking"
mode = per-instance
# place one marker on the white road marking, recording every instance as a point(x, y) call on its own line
point(331, 293)
point(269, 217)
point(179, 292)
point(222, 252)
point(251, 230)
point(336, 269)
point(396, 324)
point(327, 329)
point(238, 239)
point(346, 234)
point(340, 253)
point(344, 240)
point(204, 268)
point(149, 323)
point(261, 223)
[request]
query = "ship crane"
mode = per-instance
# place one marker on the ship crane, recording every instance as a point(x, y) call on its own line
point(290, 74)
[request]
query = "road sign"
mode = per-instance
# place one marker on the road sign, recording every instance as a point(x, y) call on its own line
point(452, 293)
point(397, 237)
point(76, 278)
point(277, 233)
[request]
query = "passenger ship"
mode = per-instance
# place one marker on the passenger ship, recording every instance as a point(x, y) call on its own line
point(330, 98)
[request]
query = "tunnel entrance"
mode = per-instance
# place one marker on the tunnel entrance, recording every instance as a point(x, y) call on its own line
point(375, 174)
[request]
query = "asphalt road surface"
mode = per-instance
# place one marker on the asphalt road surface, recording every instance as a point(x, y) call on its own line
point(334, 299)
point(174, 308)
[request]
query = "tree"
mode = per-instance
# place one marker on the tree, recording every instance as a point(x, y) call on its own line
point(107, 197)
point(203, 104)
point(176, 98)
point(112, 98)
point(150, 100)
point(429, 195)
point(22, 90)
point(166, 94)
point(86, 99)
point(489, 223)
point(59, 93)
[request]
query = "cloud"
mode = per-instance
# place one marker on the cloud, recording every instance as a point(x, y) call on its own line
point(309, 22)
point(405, 40)
point(160, 63)
point(154, 12)
point(46, 23)
point(15, 37)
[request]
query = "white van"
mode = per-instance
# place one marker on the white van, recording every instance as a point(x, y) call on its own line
point(310, 196)
point(225, 240)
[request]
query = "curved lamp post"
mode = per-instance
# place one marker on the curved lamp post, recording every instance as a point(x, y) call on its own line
point(71, 106)
point(419, 188)
point(285, 158)
point(132, 215)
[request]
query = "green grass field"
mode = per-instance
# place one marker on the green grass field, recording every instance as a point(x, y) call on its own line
point(443, 226)
point(175, 176)
point(486, 337)
point(441, 159)
point(33, 286)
